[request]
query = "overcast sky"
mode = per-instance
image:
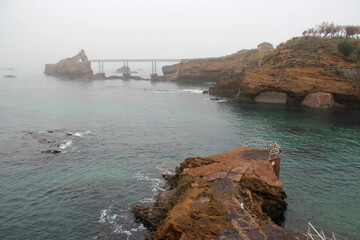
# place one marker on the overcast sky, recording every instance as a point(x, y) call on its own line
point(45, 31)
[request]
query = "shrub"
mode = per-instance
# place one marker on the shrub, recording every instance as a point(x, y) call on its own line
point(345, 48)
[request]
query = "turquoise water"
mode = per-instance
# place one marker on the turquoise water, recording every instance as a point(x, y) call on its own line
point(129, 132)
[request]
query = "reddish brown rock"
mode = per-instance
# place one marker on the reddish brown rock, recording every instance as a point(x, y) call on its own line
point(319, 100)
point(297, 68)
point(75, 67)
point(224, 208)
point(210, 69)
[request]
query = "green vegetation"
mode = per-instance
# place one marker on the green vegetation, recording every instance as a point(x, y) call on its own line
point(345, 48)
point(348, 49)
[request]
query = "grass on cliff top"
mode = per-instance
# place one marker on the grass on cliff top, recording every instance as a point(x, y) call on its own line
point(329, 46)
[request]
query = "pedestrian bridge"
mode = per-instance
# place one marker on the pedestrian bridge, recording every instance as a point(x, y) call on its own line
point(126, 61)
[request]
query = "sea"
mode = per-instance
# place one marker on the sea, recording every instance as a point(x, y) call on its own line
point(118, 137)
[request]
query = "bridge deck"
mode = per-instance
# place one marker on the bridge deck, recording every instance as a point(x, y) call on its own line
point(136, 60)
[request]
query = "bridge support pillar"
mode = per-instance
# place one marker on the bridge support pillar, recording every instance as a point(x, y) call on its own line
point(154, 76)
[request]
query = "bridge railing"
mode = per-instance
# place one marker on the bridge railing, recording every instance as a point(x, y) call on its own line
point(273, 147)
point(317, 233)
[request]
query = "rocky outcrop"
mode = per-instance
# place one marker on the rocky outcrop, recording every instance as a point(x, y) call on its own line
point(232, 195)
point(9, 76)
point(319, 100)
point(210, 69)
point(297, 68)
point(75, 67)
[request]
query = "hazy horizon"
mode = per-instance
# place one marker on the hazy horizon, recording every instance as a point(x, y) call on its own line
point(36, 32)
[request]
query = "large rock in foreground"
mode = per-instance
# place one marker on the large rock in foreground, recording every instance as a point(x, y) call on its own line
point(232, 195)
point(75, 67)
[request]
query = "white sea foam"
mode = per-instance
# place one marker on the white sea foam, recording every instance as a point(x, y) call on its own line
point(168, 169)
point(103, 214)
point(221, 100)
point(156, 183)
point(66, 144)
point(192, 91)
point(81, 134)
point(196, 91)
point(107, 217)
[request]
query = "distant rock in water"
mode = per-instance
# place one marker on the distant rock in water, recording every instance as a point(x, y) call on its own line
point(9, 76)
point(8, 69)
point(75, 67)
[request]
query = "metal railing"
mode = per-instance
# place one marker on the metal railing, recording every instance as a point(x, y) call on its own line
point(319, 234)
point(273, 147)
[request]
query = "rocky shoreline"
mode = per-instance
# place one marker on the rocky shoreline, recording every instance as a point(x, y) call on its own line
point(231, 195)
point(308, 72)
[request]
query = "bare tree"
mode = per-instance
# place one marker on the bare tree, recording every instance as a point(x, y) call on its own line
point(330, 30)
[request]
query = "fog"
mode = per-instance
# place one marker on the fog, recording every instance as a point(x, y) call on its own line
point(35, 32)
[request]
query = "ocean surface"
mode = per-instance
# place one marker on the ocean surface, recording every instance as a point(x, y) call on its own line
point(118, 137)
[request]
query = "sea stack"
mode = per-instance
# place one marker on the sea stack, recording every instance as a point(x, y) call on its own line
point(75, 67)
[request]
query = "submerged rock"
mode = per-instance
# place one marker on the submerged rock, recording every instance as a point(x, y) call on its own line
point(75, 67)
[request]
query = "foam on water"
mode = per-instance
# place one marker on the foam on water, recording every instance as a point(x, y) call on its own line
point(81, 134)
point(66, 144)
point(157, 184)
point(193, 91)
point(113, 219)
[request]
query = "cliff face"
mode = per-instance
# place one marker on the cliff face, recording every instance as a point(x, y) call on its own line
point(232, 195)
point(298, 68)
point(75, 67)
point(210, 69)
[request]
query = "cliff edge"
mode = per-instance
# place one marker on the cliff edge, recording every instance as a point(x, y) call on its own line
point(75, 67)
point(210, 69)
point(232, 195)
point(296, 69)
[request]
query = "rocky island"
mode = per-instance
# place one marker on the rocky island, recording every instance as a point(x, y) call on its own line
point(231, 195)
point(75, 67)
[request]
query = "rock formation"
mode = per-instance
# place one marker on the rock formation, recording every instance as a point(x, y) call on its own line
point(298, 68)
point(210, 69)
point(232, 195)
point(9, 76)
point(75, 67)
point(319, 100)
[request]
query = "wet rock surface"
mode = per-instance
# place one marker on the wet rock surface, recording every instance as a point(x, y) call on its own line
point(232, 195)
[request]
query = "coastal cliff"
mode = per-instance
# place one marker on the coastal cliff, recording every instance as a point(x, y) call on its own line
point(210, 69)
point(232, 195)
point(75, 67)
point(296, 69)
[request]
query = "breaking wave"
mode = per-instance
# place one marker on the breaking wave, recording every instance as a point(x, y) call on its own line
point(160, 91)
point(107, 217)
point(66, 144)
point(157, 184)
